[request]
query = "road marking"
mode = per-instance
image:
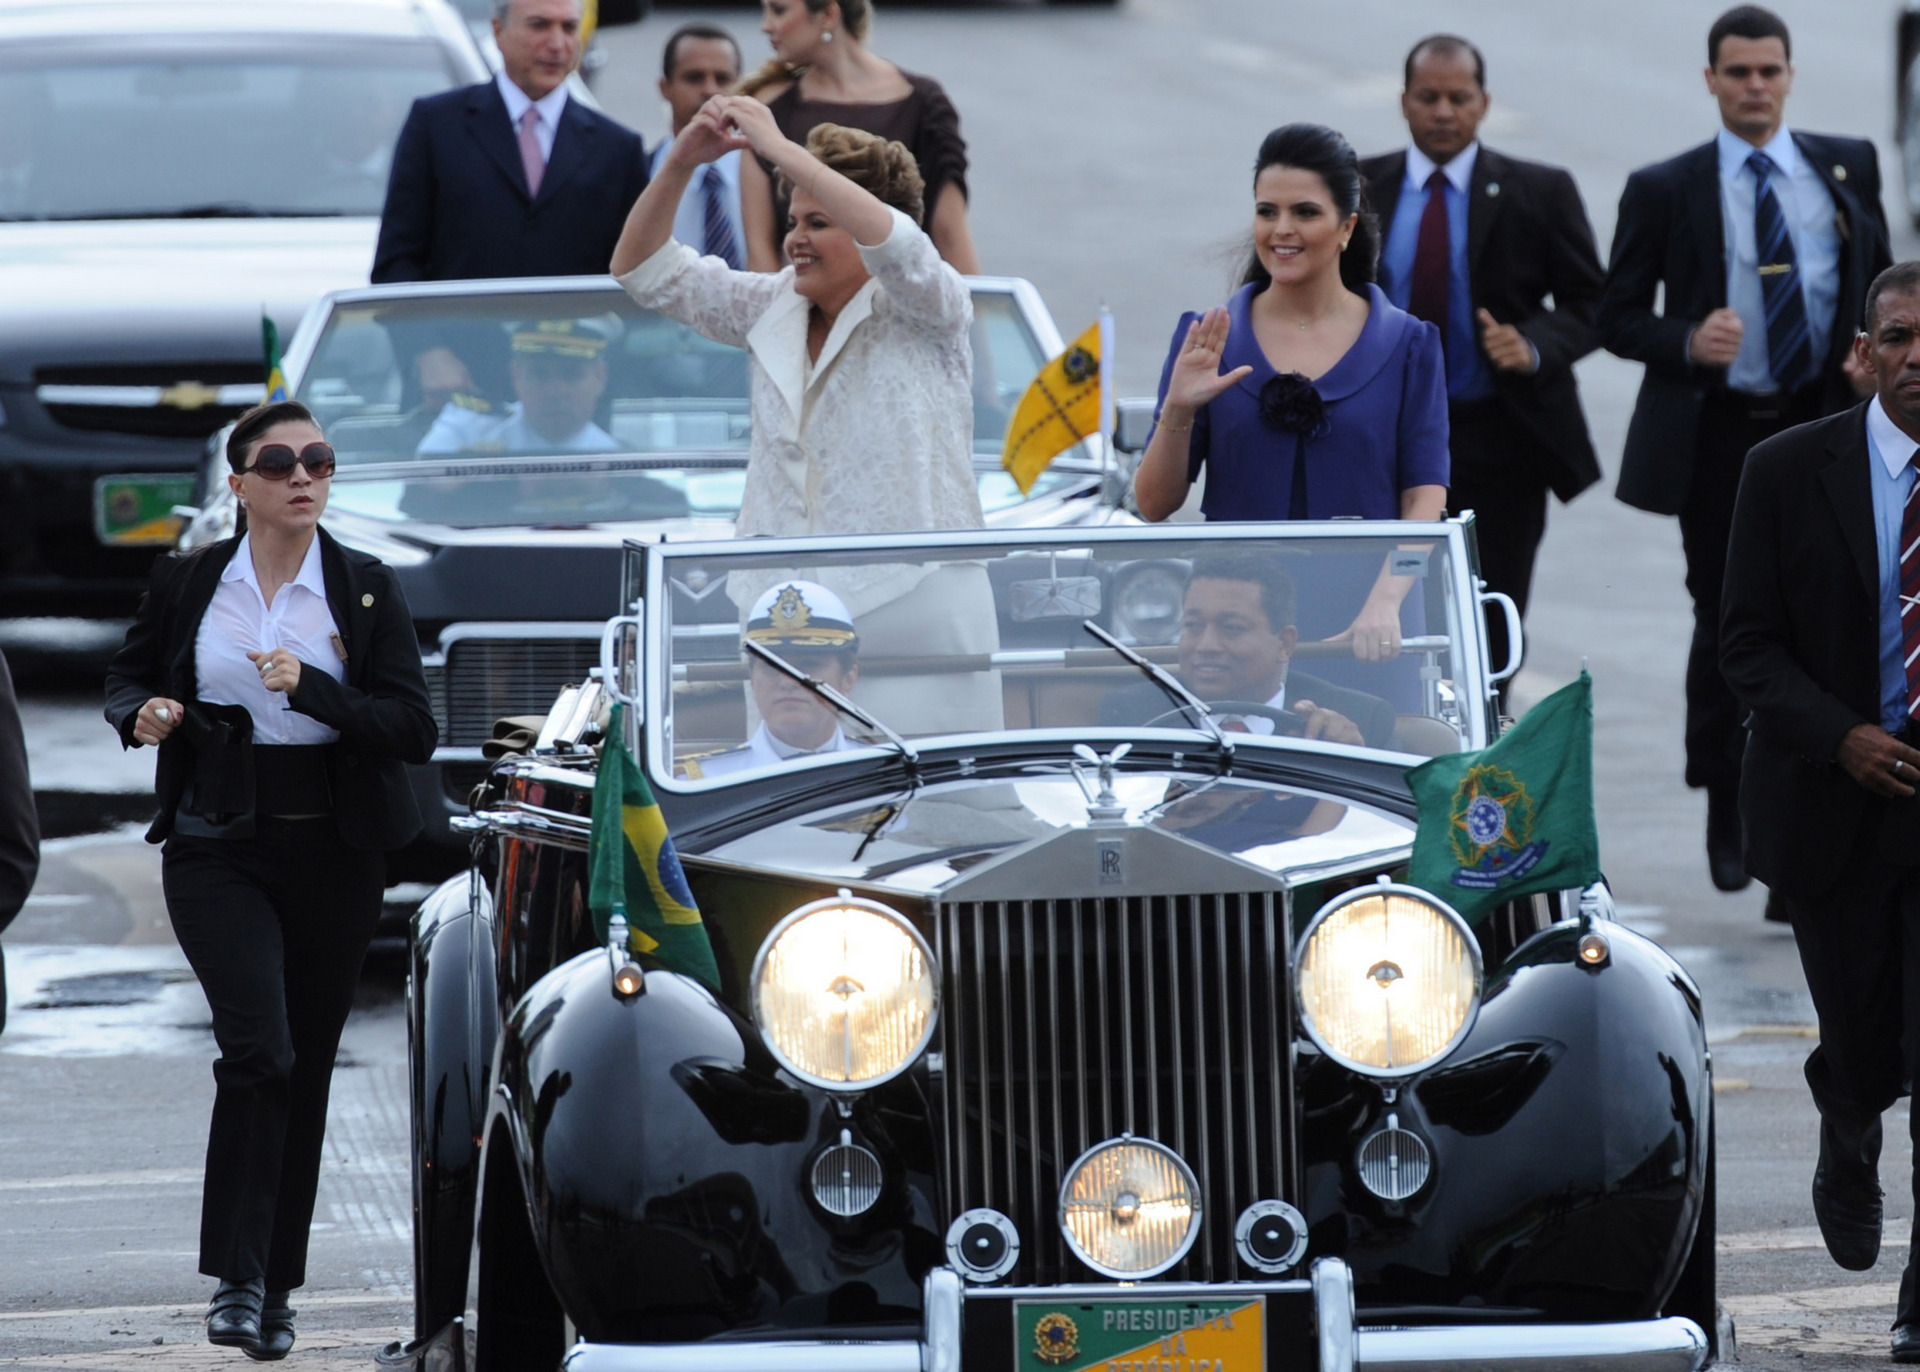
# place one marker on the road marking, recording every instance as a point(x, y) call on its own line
point(1820, 1300)
point(158, 1176)
point(193, 1310)
point(1894, 1236)
point(1731, 1084)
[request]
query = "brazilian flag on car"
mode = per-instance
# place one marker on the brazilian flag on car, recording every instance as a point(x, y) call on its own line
point(635, 873)
point(1513, 818)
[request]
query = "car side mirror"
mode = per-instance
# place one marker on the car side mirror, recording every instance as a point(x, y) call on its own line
point(1132, 423)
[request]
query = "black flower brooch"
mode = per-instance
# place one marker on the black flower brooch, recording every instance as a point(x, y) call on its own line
point(1290, 403)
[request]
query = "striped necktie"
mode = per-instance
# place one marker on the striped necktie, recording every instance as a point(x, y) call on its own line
point(718, 228)
point(1910, 590)
point(1789, 339)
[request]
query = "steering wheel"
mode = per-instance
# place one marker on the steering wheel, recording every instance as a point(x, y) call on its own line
point(1289, 722)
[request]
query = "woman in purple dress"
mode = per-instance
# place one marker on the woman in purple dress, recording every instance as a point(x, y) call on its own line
point(1308, 395)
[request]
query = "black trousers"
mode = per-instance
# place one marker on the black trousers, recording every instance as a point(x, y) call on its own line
point(1496, 473)
point(1860, 949)
point(1730, 425)
point(276, 928)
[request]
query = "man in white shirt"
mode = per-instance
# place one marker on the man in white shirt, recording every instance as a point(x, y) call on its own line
point(808, 626)
point(559, 374)
point(699, 62)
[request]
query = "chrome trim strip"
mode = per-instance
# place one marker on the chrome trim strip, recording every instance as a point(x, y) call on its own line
point(1200, 1062)
point(1668, 1345)
point(1153, 1020)
point(588, 631)
point(1010, 1122)
point(1053, 1007)
point(900, 1355)
point(1028, 1010)
point(945, 1297)
point(448, 752)
point(1223, 988)
point(1131, 1118)
point(1333, 1312)
point(145, 397)
point(1246, 1074)
point(986, 1092)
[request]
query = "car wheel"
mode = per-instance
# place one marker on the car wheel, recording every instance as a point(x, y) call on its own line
point(518, 1320)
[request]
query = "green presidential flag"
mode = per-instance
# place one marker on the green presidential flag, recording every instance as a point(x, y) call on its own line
point(1514, 818)
point(636, 874)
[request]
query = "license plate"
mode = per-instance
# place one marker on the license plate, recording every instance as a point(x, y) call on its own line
point(1129, 1335)
point(132, 511)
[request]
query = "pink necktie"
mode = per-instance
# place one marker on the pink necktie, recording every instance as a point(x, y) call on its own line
point(531, 158)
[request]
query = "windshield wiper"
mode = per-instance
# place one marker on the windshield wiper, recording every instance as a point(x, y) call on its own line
point(1183, 699)
point(221, 209)
point(838, 702)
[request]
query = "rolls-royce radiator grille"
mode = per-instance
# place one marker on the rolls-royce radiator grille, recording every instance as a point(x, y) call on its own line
point(1069, 1022)
point(486, 678)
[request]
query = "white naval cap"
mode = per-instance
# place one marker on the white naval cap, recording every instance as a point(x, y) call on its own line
point(801, 614)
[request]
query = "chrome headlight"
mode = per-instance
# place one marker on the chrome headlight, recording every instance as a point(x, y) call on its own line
point(844, 994)
point(1388, 979)
point(1130, 1208)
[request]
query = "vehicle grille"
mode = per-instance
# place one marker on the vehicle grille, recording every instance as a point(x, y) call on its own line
point(1069, 1022)
point(136, 412)
point(486, 678)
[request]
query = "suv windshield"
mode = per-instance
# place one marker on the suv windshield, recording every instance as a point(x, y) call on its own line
point(451, 408)
point(206, 130)
point(993, 639)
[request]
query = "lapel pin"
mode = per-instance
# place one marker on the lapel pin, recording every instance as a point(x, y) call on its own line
point(1493, 188)
point(1839, 172)
point(367, 600)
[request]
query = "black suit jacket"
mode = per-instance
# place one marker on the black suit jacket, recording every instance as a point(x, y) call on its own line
point(19, 819)
point(457, 203)
point(1800, 646)
point(1527, 238)
point(1377, 721)
point(1670, 234)
point(381, 709)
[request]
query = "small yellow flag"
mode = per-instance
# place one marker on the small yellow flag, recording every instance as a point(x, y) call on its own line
point(1067, 402)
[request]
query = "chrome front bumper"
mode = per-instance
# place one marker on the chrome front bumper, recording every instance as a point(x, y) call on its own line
point(1669, 1345)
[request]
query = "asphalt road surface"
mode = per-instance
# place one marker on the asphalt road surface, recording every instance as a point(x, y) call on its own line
point(1111, 156)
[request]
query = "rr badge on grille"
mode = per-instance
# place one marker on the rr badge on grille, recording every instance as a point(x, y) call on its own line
point(1056, 1339)
point(1113, 862)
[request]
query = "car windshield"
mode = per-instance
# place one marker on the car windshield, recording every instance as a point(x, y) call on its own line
point(991, 638)
point(208, 130)
point(451, 409)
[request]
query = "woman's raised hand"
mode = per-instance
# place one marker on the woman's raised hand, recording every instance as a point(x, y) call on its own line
point(747, 121)
point(706, 137)
point(1196, 377)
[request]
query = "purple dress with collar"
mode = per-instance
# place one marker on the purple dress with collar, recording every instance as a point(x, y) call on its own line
point(1385, 431)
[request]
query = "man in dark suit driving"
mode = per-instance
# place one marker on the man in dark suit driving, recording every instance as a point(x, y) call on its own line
point(1821, 645)
point(1764, 241)
point(1498, 253)
point(1237, 637)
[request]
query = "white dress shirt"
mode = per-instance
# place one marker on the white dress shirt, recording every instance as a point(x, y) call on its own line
point(764, 750)
point(239, 621)
point(1809, 211)
point(690, 220)
point(550, 105)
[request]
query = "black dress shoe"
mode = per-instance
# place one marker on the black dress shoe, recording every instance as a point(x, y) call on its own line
point(1724, 863)
point(233, 1315)
point(1906, 1343)
point(1846, 1196)
point(276, 1328)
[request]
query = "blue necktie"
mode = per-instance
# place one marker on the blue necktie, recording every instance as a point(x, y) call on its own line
point(719, 229)
point(1789, 340)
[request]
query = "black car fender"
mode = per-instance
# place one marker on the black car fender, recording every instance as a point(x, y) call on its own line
point(452, 1022)
point(664, 1158)
point(1569, 1138)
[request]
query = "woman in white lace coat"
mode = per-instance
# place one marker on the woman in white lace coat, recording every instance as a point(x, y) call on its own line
point(862, 382)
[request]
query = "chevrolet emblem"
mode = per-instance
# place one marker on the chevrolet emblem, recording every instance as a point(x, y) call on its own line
point(190, 395)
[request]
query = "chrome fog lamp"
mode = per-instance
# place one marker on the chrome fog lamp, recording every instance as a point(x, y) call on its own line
point(844, 993)
point(1130, 1208)
point(1388, 979)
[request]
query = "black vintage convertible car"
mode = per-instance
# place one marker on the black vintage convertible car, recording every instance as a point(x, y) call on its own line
point(1072, 1010)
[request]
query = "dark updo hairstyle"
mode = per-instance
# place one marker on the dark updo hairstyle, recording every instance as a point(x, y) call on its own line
point(248, 428)
point(882, 167)
point(1325, 152)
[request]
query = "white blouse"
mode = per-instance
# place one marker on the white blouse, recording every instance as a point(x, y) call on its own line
point(876, 436)
point(239, 620)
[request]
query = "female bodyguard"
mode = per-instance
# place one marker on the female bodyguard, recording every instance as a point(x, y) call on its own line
point(279, 676)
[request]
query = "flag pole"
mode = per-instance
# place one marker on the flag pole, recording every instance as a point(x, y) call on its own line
point(1107, 404)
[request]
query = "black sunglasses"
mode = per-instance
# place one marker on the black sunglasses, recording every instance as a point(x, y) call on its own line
point(276, 461)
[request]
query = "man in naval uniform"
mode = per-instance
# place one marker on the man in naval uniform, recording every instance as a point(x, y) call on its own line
point(808, 626)
point(559, 375)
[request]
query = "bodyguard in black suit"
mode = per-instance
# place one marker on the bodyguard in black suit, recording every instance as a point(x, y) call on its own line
point(510, 177)
point(1481, 261)
point(279, 675)
point(1820, 642)
point(1763, 280)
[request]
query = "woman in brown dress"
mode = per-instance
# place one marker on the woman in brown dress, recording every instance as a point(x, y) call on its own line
point(823, 73)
